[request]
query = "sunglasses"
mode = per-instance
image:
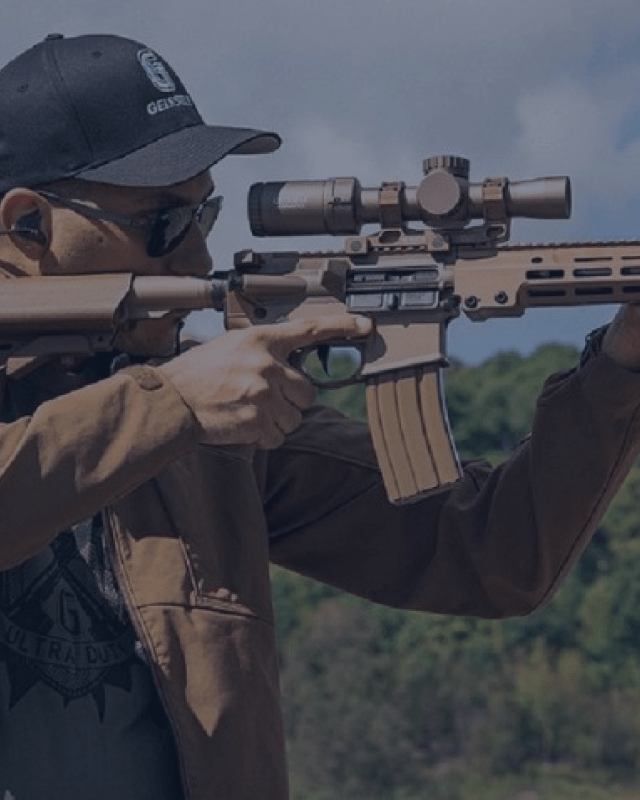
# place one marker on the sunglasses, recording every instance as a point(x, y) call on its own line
point(165, 229)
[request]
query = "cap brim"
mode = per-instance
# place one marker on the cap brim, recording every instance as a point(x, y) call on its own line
point(181, 155)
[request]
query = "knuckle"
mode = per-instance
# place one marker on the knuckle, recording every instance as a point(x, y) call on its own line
point(263, 335)
point(271, 439)
point(291, 421)
point(259, 389)
point(304, 395)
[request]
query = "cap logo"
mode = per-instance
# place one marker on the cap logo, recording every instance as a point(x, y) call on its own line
point(156, 71)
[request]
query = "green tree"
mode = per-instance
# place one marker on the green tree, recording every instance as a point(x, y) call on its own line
point(397, 705)
point(345, 732)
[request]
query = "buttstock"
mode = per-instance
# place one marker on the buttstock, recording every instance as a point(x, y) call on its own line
point(411, 434)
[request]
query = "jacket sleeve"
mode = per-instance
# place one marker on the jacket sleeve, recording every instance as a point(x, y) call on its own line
point(498, 543)
point(81, 451)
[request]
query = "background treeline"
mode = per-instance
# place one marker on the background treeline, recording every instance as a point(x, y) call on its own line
point(387, 705)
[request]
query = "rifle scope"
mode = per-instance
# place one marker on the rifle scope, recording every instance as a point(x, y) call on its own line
point(445, 198)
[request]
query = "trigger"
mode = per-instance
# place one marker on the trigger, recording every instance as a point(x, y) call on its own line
point(324, 351)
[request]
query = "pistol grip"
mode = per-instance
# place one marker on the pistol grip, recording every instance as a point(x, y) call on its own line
point(411, 435)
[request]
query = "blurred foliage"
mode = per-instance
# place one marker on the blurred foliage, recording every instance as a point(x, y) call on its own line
point(387, 705)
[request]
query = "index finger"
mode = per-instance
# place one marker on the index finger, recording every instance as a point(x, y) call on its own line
point(286, 337)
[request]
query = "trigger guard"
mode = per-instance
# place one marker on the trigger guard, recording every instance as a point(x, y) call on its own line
point(298, 358)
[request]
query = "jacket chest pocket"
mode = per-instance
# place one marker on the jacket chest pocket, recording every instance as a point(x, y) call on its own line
point(206, 523)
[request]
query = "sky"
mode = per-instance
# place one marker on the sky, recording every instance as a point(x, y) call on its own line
point(370, 88)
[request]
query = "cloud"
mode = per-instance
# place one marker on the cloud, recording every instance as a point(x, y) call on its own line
point(587, 127)
point(583, 123)
point(325, 149)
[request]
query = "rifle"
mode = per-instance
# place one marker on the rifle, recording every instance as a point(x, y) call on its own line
point(411, 281)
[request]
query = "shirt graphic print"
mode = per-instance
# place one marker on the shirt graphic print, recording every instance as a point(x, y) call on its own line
point(77, 698)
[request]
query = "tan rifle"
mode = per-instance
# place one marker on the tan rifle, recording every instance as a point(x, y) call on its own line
point(411, 282)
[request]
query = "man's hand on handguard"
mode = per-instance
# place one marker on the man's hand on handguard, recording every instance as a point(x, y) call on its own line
point(241, 387)
point(622, 339)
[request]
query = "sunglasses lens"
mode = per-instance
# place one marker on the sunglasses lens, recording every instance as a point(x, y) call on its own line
point(208, 213)
point(169, 227)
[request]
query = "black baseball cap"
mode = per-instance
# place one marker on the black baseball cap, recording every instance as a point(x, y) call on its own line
point(107, 109)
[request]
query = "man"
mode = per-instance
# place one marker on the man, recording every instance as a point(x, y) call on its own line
point(141, 504)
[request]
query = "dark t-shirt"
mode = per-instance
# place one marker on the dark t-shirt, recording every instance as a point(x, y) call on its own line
point(79, 712)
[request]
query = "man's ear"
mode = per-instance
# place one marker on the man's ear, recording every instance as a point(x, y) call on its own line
point(28, 215)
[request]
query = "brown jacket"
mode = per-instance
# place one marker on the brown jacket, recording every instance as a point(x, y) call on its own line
point(192, 529)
